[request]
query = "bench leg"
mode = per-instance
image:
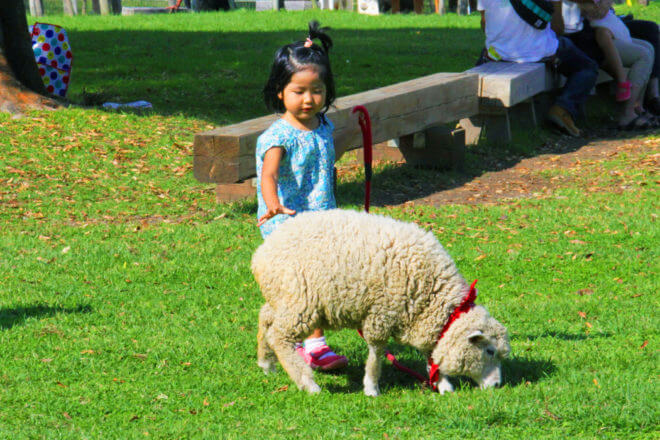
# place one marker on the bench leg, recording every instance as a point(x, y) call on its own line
point(230, 192)
point(437, 147)
point(495, 123)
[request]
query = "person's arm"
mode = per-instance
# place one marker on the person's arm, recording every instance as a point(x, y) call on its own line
point(269, 176)
point(557, 23)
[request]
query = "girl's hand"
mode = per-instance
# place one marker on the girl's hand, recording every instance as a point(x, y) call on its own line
point(273, 211)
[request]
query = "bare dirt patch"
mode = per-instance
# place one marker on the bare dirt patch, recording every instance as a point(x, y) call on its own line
point(592, 164)
point(529, 177)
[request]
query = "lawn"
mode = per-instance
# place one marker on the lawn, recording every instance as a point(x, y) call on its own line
point(128, 310)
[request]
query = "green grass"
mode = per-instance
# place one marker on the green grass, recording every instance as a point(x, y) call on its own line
point(127, 308)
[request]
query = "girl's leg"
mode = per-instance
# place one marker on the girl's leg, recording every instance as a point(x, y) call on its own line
point(317, 354)
point(638, 56)
point(612, 63)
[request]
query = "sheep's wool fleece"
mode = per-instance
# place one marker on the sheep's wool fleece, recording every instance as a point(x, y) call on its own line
point(347, 265)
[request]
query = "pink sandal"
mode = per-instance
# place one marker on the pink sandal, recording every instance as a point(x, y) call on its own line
point(322, 358)
point(623, 91)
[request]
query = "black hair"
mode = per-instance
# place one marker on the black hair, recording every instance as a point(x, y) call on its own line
point(295, 57)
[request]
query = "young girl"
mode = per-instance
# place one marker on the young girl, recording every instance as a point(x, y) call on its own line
point(620, 50)
point(296, 155)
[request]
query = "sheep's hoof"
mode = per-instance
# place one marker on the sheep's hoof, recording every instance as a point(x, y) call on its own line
point(370, 388)
point(267, 366)
point(444, 386)
point(310, 386)
point(373, 392)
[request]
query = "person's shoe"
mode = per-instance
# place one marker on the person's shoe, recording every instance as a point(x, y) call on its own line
point(561, 118)
point(322, 358)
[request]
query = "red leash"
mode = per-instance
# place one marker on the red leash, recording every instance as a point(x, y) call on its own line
point(365, 124)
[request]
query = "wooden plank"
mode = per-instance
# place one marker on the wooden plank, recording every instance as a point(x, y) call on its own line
point(511, 83)
point(508, 84)
point(226, 154)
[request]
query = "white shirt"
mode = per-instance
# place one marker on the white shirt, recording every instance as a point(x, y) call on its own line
point(614, 24)
point(573, 20)
point(510, 38)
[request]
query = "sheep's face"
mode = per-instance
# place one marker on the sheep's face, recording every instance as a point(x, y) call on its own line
point(474, 346)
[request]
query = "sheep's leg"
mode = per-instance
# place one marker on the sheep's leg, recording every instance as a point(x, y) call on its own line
point(265, 355)
point(372, 369)
point(444, 386)
point(282, 339)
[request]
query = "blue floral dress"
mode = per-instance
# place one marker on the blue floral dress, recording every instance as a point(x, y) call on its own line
point(306, 173)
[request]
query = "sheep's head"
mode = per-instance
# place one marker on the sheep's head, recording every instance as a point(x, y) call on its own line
point(473, 346)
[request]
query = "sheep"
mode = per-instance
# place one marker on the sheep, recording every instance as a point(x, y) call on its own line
point(345, 269)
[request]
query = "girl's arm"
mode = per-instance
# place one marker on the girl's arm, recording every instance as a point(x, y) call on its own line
point(269, 175)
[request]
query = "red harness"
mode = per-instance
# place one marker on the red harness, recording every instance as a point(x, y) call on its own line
point(464, 306)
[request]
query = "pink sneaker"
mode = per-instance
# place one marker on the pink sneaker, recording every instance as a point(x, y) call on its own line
point(623, 91)
point(322, 358)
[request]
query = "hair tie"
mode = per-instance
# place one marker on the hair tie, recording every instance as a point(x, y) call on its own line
point(308, 42)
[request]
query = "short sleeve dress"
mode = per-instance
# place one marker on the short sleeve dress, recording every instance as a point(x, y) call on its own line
point(306, 173)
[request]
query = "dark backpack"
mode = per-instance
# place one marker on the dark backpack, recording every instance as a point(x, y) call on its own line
point(536, 13)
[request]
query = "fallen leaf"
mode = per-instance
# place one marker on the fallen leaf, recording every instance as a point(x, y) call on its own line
point(66, 414)
point(229, 404)
point(280, 389)
point(582, 315)
point(205, 402)
point(583, 292)
point(480, 257)
point(644, 345)
point(588, 325)
point(596, 382)
point(551, 415)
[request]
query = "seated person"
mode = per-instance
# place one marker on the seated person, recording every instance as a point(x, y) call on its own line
point(649, 31)
point(510, 38)
point(620, 49)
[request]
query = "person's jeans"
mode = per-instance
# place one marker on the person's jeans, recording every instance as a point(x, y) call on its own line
point(580, 72)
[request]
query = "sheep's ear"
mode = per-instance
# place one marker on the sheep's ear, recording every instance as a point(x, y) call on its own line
point(476, 337)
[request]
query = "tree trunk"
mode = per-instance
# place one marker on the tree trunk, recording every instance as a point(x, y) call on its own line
point(105, 7)
point(36, 8)
point(68, 6)
point(21, 87)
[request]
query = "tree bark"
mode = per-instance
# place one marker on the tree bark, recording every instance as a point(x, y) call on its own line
point(21, 86)
point(68, 6)
point(36, 8)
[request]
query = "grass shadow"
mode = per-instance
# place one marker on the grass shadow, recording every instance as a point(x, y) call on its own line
point(397, 183)
point(11, 317)
point(564, 336)
point(518, 371)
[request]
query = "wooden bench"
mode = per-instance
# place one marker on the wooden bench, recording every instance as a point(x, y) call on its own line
point(512, 94)
point(226, 155)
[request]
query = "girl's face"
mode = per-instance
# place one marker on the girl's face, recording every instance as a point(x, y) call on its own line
point(303, 98)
